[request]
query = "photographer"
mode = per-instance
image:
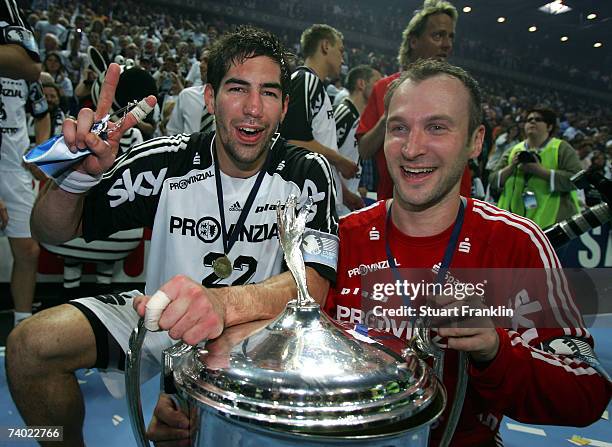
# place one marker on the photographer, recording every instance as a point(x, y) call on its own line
point(534, 178)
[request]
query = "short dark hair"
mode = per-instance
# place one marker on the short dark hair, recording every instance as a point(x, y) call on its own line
point(245, 43)
point(364, 72)
point(309, 41)
point(547, 115)
point(428, 68)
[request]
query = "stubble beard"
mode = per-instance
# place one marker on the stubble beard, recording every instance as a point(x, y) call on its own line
point(438, 193)
point(244, 163)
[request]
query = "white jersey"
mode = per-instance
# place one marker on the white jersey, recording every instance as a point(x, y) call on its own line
point(169, 183)
point(310, 115)
point(347, 120)
point(17, 96)
point(190, 114)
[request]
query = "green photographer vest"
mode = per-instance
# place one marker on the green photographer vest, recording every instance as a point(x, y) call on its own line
point(511, 199)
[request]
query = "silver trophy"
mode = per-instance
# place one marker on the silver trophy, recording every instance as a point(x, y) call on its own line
point(291, 231)
point(301, 379)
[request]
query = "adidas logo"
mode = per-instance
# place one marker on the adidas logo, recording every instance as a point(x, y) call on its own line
point(281, 166)
point(235, 207)
point(196, 159)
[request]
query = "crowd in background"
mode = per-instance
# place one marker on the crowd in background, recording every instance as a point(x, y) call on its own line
point(168, 44)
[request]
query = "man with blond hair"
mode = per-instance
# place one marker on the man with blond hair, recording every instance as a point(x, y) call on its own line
point(429, 35)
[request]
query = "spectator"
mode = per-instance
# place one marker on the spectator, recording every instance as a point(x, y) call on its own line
point(429, 34)
point(50, 26)
point(535, 180)
point(190, 114)
point(54, 65)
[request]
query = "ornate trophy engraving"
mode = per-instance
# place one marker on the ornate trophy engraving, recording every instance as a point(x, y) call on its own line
point(291, 230)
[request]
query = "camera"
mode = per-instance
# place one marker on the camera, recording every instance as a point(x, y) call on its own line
point(563, 232)
point(528, 157)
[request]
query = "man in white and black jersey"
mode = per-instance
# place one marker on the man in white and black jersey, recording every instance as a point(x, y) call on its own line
point(359, 83)
point(18, 49)
point(310, 118)
point(210, 199)
point(190, 114)
point(20, 92)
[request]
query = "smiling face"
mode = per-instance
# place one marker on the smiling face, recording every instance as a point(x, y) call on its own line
point(427, 144)
point(248, 108)
point(436, 42)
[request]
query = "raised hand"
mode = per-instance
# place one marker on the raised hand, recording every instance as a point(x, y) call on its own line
point(78, 135)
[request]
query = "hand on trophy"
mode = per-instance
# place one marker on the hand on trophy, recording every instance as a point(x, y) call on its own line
point(475, 335)
point(169, 425)
point(189, 312)
point(291, 229)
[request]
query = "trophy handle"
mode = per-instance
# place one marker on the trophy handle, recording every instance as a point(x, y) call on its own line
point(425, 347)
point(132, 383)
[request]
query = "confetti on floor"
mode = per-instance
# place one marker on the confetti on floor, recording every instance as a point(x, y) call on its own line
point(526, 429)
point(81, 382)
point(89, 372)
point(578, 440)
point(606, 415)
point(117, 419)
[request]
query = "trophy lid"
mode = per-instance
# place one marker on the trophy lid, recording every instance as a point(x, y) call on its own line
point(303, 372)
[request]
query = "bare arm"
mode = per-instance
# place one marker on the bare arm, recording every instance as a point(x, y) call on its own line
point(196, 313)
point(268, 299)
point(56, 216)
point(498, 178)
point(42, 129)
point(17, 63)
point(371, 141)
point(347, 168)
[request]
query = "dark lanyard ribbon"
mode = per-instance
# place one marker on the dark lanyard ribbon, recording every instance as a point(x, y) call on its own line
point(448, 253)
point(230, 240)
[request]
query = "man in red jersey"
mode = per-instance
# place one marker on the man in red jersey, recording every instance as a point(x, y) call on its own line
point(532, 374)
point(429, 34)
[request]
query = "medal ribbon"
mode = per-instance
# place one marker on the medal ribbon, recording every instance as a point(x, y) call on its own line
point(230, 240)
point(448, 252)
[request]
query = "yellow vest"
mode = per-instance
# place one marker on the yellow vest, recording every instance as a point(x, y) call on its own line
point(511, 199)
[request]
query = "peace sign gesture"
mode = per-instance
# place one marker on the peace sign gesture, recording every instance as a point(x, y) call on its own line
point(78, 135)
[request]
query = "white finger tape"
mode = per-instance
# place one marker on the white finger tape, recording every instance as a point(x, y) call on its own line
point(141, 110)
point(154, 308)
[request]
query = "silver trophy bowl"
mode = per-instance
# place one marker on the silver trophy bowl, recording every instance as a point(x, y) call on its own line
point(301, 379)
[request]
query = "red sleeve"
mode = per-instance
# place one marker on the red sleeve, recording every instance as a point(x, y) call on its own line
point(545, 371)
point(372, 112)
point(534, 386)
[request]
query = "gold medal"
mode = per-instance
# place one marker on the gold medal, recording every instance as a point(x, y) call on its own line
point(222, 267)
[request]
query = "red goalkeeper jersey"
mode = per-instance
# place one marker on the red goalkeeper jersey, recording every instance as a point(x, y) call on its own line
point(540, 375)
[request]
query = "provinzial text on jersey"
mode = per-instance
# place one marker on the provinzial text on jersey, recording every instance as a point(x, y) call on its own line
point(184, 183)
point(192, 227)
